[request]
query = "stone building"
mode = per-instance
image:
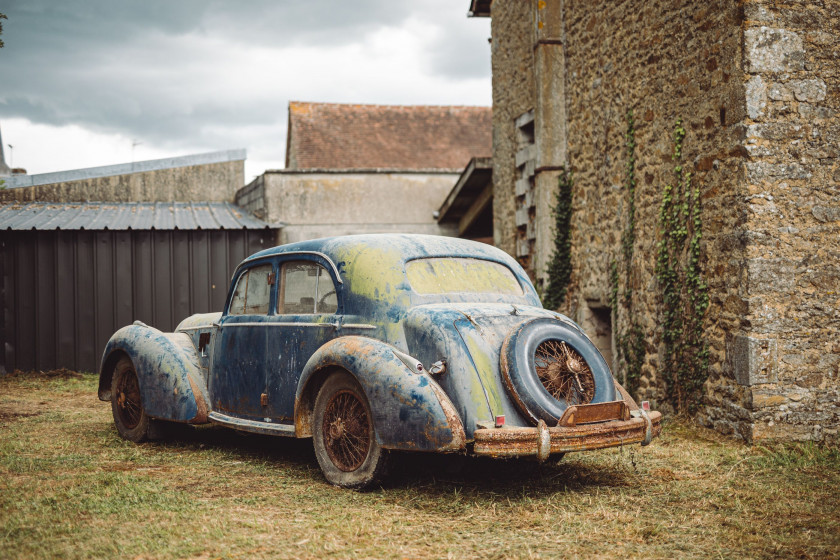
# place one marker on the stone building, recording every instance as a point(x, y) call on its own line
point(598, 88)
point(367, 169)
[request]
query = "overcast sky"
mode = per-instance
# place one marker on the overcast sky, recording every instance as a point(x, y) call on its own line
point(97, 82)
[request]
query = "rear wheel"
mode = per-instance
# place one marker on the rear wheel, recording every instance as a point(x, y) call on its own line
point(130, 417)
point(344, 437)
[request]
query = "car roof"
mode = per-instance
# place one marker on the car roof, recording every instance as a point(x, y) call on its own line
point(400, 247)
point(372, 268)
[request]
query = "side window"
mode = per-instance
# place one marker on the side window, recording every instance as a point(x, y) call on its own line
point(253, 292)
point(327, 300)
point(307, 288)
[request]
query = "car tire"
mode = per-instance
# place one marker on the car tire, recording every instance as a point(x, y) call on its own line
point(130, 417)
point(529, 346)
point(344, 437)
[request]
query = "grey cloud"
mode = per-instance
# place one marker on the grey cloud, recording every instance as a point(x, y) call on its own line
point(462, 55)
point(103, 64)
point(78, 24)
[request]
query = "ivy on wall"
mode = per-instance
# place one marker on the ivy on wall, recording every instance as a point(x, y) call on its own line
point(560, 266)
point(684, 294)
point(631, 342)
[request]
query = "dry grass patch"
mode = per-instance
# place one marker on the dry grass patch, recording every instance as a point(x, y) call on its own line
point(70, 487)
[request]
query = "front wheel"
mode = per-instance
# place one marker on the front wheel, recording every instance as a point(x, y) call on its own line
point(130, 417)
point(343, 435)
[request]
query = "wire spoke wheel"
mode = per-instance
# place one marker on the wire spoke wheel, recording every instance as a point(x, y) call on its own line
point(549, 365)
point(347, 431)
point(564, 373)
point(344, 436)
point(130, 417)
point(129, 405)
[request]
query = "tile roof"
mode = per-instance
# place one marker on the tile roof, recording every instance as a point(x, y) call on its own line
point(393, 137)
point(126, 215)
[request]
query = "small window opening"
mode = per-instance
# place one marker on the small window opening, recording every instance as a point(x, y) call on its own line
point(597, 324)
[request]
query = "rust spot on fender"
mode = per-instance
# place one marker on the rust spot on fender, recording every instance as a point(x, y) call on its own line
point(459, 437)
point(200, 403)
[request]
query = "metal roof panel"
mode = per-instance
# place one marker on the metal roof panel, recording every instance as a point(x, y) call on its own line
point(203, 218)
point(163, 216)
point(126, 215)
point(183, 217)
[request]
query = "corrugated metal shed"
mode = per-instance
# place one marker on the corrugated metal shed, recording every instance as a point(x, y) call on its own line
point(48, 216)
point(72, 274)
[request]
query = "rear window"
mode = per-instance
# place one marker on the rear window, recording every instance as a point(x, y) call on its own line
point(461, 275)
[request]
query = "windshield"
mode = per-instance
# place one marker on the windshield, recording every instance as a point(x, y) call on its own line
point(445, 275)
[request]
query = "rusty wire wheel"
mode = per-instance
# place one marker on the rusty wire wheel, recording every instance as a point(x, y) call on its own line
point(344, 436)
point(129, 404)
point(347, 431)
point(549, 365)
point(130, 417)
point(564, 373)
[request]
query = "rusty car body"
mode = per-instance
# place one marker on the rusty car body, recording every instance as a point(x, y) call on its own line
point(377, 343)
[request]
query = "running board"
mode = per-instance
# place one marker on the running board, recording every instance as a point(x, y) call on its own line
point(255, 426)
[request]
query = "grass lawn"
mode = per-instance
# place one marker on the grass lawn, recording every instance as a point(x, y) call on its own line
point(71, 488)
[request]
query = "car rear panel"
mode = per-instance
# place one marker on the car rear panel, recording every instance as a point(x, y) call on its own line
point(469, 338)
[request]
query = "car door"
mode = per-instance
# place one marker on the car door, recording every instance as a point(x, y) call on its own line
point(307, 318)
point(239, 351)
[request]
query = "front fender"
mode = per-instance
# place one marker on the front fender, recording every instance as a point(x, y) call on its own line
point(171, 384)
point(410, 410)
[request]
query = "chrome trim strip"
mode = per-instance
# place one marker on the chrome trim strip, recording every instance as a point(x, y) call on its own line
point(358, 326)
point(197, 328)
point(252, 425)
point(269, 324)
point(318, 253)
point(410, 362)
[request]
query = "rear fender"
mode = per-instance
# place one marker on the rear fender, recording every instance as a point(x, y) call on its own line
point(410, 410)
point(171, 384)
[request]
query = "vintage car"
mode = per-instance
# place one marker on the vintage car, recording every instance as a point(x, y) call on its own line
point(370, 344)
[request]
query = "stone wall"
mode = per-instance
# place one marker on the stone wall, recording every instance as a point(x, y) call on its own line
point(311, 204)
point(791, 359)
point(513, 95)
point(756, 86)
point(662, 60)
point(251, 197)
point(211, 182)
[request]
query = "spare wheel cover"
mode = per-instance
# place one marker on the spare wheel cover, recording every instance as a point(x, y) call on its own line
point(519, 368)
